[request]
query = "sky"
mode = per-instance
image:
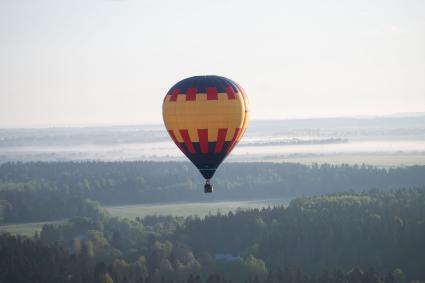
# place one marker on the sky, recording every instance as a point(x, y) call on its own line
point(110, 62)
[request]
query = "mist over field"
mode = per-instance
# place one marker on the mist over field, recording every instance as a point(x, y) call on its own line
point(382, 141)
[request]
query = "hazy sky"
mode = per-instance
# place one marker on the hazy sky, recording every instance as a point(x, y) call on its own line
point(85, 62)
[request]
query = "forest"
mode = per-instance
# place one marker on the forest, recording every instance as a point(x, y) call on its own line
point(374, 236)
point(345, 224)
point(41, 191)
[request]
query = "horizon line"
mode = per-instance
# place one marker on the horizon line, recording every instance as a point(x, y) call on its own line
point(159, 123)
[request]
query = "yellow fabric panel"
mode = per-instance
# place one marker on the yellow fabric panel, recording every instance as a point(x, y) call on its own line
point(212, 134)
point(204, 114)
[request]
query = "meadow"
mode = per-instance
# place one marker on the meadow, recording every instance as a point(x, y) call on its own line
point(26, 229)
point(200, 209)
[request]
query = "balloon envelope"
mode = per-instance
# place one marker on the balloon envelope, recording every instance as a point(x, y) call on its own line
point(206, 116)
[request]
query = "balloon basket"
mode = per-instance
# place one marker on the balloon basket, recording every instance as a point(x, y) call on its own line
point(208, 188)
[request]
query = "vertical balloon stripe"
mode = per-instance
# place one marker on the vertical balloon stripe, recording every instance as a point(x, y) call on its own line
point(212, 93)
point(173, 136)
point(203, 140)
point(234, 139)
point(191, 94)
point(187, 141)
point(220, 140)
point(230, 92)
point(174, 94)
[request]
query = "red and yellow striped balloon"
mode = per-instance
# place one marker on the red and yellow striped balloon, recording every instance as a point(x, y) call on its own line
point(206, 116)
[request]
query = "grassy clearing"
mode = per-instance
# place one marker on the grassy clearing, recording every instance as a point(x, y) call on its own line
point(26, 229)
point(133, 211)
point(186, 209)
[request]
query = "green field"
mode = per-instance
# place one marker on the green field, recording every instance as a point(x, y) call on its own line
point(186, 209)
point(26, 229)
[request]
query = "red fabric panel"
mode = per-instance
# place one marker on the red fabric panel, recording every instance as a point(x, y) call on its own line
point(187, 141)
point(191, 94)
point(221, 136)
point(212, 93)
point(203, 140)
point(230, 92)
point(174, 94)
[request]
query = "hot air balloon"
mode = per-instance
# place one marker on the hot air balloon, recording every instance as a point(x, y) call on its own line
point(206, 116)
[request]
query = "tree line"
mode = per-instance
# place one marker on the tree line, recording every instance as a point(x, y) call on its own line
point(39, 191)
